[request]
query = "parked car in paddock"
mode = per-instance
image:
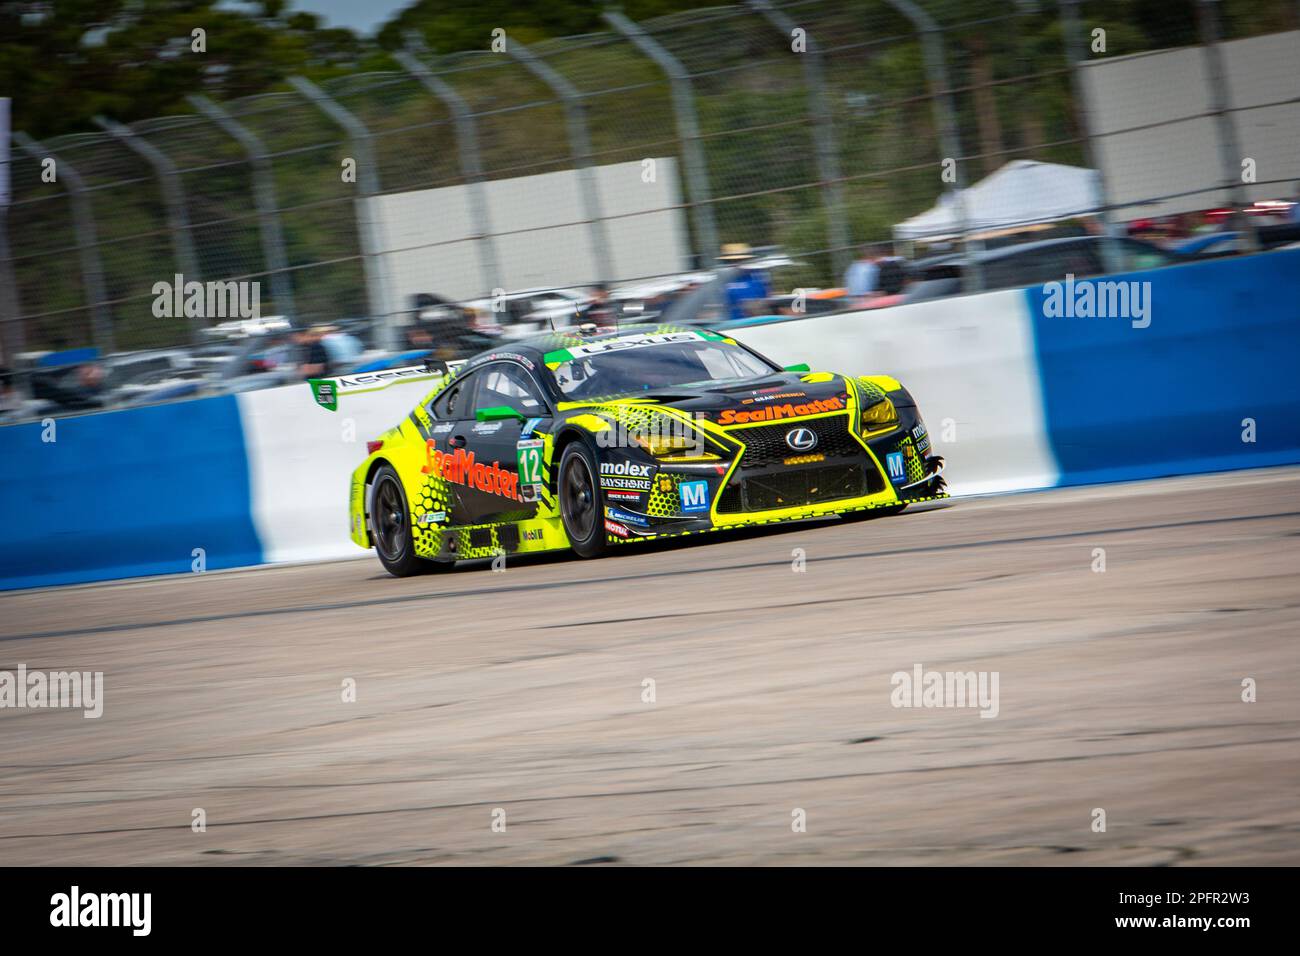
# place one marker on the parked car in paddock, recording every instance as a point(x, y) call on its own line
point(596, 440)
point(1033, 263)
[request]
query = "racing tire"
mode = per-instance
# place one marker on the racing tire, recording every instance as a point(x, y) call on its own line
point(581, 503)
point(390, 527)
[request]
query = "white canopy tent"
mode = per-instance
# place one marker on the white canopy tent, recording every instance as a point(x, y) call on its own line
point(1023, 192)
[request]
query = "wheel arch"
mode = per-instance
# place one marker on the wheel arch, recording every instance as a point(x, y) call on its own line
point(378, 462)
point(565, 437)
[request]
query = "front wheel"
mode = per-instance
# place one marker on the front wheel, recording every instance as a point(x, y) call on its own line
point(581, 506)
point(390, 526)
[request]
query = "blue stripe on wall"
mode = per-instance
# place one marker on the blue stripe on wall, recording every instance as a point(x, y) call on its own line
point(125, 494)
point(1123, 403)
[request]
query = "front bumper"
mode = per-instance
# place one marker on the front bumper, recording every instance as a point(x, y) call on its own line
point(768, 482)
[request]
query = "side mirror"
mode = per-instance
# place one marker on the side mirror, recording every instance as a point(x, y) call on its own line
point(801, 367)
point(498, 413)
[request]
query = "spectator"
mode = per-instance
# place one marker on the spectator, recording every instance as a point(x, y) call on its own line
point(745, 284)
point(316, 358)
point(416, 336)
point(861, 278)
point(344, 348)
point(600, 309)
point(893, 276)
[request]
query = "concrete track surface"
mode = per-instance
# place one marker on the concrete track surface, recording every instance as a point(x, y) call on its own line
point(522, 691)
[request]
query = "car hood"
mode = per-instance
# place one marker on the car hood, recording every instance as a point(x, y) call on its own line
point(776, 397)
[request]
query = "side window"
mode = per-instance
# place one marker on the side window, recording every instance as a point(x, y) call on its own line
point(1001, 273)
point(1084, 259)
point(1138, 256)
point(510, 385)
point(456, 403)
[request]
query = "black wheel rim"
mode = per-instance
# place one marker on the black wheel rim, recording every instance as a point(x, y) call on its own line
point(389, 519)
point(578, 496)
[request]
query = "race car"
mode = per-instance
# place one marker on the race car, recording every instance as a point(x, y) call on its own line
point(589, 440)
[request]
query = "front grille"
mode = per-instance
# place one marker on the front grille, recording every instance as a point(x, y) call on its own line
point(793, 488)
point(765, 444)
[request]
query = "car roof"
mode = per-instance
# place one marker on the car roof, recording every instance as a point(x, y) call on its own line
point(1025, 248)
point(536, 346)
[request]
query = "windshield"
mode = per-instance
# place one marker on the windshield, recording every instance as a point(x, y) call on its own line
point(627, 366)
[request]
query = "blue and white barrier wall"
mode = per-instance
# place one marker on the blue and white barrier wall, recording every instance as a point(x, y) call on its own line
point(1018, 392)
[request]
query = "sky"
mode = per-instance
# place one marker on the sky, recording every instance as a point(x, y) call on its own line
point(364, 16)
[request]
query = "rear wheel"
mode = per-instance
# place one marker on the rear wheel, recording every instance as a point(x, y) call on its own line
point(390, 526)
point(581, 506)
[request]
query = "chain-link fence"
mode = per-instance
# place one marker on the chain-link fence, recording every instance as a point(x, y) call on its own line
point(831, 129)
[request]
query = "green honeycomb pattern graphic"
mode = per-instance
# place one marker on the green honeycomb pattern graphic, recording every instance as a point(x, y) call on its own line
point(664, 504)
point(434, 496)
point(871, 392)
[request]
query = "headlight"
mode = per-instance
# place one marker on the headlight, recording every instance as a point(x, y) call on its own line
point(880, 415)
point(676, 446)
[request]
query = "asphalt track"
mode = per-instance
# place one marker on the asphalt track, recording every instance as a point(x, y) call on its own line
point(521, 691)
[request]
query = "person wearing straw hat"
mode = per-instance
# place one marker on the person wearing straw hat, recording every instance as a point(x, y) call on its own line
point(744, 283)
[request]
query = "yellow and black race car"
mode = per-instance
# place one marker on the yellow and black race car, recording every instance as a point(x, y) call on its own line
point(585, 441)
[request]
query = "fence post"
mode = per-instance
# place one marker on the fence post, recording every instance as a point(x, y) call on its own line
point(575, 116)
point(688, 131)
point(169, 181)
point(945, 120)
point(83, 223)
point(382, 309)
point(827, 150)
point(12, 334)
point(1072, 31)
point(268, 211)
point(471, 165)
point(1207, 16)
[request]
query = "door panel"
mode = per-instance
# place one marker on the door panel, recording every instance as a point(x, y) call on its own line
point(491, 492)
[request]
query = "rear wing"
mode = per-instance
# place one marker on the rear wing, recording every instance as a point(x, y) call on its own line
point(328, 391)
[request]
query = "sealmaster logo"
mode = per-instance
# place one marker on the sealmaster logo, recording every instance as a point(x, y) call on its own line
point(772, 413)
point(460, 467)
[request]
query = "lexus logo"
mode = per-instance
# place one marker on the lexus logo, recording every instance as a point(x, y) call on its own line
point(801, 439)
